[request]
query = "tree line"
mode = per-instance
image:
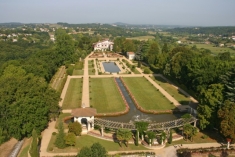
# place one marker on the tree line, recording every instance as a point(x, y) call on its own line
point(27, 101)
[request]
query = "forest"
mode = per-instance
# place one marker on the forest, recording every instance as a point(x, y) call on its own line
point(27, 101)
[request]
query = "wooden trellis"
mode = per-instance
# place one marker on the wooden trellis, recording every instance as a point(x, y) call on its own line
point(152, 126)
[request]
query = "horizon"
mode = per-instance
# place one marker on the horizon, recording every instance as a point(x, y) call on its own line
point(139, 12)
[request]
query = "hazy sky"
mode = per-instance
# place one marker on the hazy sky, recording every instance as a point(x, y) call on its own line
point(161, 12)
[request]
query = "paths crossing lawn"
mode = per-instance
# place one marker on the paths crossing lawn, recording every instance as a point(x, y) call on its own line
point(180, 97)
point(86, 140)
point(73, 95)
point(147, 95)
point(104, 95)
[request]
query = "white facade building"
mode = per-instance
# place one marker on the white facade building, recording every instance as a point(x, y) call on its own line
point(84, 116)
point(130, 55)
point(103, 45)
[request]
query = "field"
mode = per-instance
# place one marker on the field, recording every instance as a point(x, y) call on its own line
point(142, 38)
point(86, 140)
point(216, 50)
point(73, 95)
point(180, 97)
point(147, 95)
point(104, 96)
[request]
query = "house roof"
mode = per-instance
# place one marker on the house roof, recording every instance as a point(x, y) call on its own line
point(83, 112)
point(130, 53)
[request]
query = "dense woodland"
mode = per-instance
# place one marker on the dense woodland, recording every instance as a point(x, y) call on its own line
point(27, 102)
point(26, 68)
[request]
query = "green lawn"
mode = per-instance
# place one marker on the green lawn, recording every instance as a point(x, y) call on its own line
point(24, 152)
point(79, 65)
point(215, 50)
point(147, 95)
point(91, 69)
point(78, 68)
point(180, 97)
point(78, 72)
point(73, 95)
point(105, 96)
point(209, 137)
point(61, 118)
point(136, 71)
point(86, 140)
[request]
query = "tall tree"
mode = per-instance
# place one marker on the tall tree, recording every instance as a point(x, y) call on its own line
point(210, 100)
point(124, 135)
point(141, 127)
point(152, 52)
point(165, 48)
point(190, 131)
point(60, 137)
point(64, 46)
point(34, 145)
point(229, 84)
point(227, 119)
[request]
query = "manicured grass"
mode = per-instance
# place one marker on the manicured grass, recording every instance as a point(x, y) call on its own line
point(91, 71)
point(136, 71)
point(210, 137)
point(215, 50)
point(61, 118)
point(90, 66)
point(180, 97)
point(90, 62)
point(24, 152)
point(78, 72)
point(86, 140)
point(78, 68)
point(105, 96)
point(141, 38)
point(79, 65)
point(147, 95)
point(73, 95)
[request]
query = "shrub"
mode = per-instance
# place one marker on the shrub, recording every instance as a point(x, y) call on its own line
point(75, 128)
point(147, 71)
point(50, 148)
point(54, 133)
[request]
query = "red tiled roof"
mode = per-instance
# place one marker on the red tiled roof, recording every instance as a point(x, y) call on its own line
point(130, 53)
point(83, 112)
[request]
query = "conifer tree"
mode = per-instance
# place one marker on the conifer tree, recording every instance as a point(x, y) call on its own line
point(60, 142)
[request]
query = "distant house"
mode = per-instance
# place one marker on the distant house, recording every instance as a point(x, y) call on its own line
point(103, 45)
point(130, 55)
point(221, 45)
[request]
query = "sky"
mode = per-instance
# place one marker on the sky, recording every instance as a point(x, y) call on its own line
point(157, 12)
